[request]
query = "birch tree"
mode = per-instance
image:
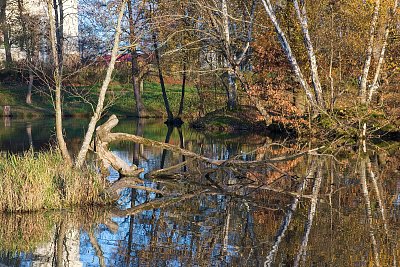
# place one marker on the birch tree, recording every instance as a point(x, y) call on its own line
point(289, 54)
point(80, 159)
point(368, 58)
point(302, 17)
point(226, 30)
point(234, 57)
point(375, 85)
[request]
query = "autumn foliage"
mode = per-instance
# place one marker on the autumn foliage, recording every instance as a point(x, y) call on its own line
point(273, 83)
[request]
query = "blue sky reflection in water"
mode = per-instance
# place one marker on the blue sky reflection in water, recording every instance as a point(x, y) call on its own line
point(345, 213)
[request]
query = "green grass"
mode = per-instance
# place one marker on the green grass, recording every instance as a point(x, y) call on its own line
point(119, 96)
point(36, 181)
point(152, 98)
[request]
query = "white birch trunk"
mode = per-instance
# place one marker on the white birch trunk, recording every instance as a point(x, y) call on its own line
point(100, 104)
point(375, 84)
point(302, 17)
point(367, 64)
point(289, 54)
point(232, 88)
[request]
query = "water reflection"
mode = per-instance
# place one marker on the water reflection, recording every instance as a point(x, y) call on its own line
point(312, 210)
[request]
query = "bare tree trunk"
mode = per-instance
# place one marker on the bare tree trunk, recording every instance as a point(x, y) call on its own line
point(367, 63)
point(5, 28)
point(232, 88)
point(180, 112)
point(100, 103)
point(141, 86)
point(332, 102)
point(30, 85)
point(58, 82)
point(302, 16)
point(289, 54)
point(59, 24)
point(140, 109)
point(375, 84)
point(161, 77)
point(29, 49)
point(7, 43)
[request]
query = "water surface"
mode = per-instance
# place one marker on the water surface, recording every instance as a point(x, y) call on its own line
point(313, 210)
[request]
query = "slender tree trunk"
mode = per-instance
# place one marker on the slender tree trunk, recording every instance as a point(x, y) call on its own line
point(180, 112)
point(367, 63)
point(102, 95)
point(141, 86)
point(375, 84)
point(7, 43)
point(28, 47)
point(5, 28)
point(332, 102)
point(302, 17)
point(59, 23)
point(232, 87)
point(140, 109)
point(161, 77)
point(6, 31)
point(289, 54)
point(30, 85)
point(58, 83)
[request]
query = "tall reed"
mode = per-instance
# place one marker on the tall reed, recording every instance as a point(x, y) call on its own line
point(35, 181)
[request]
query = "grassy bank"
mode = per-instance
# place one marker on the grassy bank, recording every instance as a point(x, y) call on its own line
point(35, 181)
point(120, 100)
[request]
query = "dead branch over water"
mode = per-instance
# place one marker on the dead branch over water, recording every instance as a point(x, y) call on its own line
point(104, 136)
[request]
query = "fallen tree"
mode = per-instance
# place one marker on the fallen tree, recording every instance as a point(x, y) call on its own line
point(130, 173)
point(104, 136)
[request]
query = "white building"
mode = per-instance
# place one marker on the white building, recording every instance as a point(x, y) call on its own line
point(38, 9)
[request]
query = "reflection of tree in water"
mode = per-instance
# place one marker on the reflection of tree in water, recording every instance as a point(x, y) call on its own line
point(321, 202)
point(309, 210)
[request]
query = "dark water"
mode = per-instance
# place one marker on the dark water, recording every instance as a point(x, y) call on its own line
point(312, 210)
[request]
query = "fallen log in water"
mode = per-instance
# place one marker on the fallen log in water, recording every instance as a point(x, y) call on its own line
point(104, 136)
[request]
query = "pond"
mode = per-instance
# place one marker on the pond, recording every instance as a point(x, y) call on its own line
point(309, 210)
